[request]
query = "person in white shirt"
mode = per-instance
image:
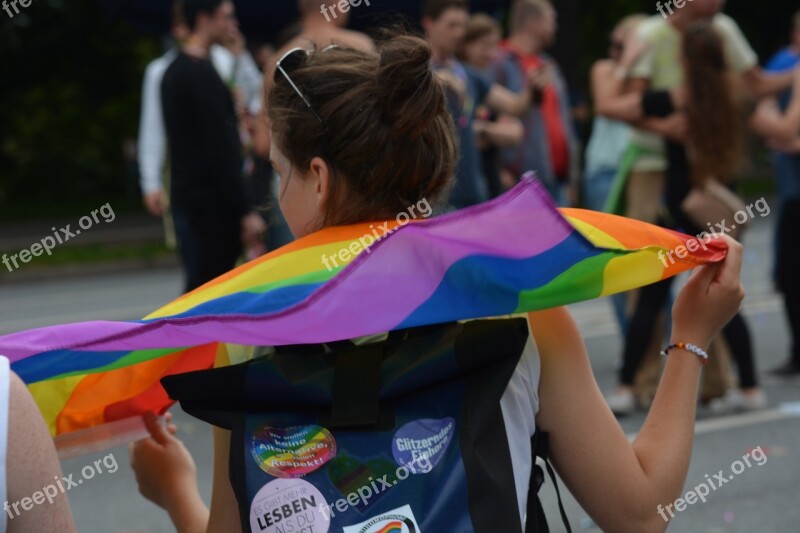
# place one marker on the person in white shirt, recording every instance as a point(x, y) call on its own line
point(237, 68)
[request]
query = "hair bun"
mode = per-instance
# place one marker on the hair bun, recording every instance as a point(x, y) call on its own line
point(405, 82)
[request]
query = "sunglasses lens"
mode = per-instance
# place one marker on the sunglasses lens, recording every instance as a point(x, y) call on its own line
point(291, 61)
point(284, 69)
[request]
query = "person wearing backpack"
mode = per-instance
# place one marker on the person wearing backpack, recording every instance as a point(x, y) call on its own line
point(358, 137)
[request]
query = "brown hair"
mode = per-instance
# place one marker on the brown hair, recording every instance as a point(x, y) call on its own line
point(479, 26)
point(192, 9)
point(177, 13)
point(310, 6)
point(714, 110)
point(433, 9)
point(524, 10)
point(387, 134)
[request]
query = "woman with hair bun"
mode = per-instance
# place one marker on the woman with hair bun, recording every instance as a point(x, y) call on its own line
point(357, 137)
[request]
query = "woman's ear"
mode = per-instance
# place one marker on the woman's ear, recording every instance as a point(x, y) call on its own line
point(320, 173)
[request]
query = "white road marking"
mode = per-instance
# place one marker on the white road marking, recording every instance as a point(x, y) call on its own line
point(724, 423)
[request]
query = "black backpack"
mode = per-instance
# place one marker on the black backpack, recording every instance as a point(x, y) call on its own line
point(402, 435)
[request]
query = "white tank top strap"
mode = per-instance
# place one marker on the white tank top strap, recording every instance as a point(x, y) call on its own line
point(519, 405)
point(5, 401)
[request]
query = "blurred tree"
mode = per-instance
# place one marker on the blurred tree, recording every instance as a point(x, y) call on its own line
point(69, 87)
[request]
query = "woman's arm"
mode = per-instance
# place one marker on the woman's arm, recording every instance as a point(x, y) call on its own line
point(32, 465)
point(618, 483)
point(765, 84)
point(620, 98)
point(769, 121)
point(167, 476)
point(504, 132)
point(613, 99)
point(616, 96)
point(505, 101)
point(502, 100)
point(610, 99)
point(224, 509)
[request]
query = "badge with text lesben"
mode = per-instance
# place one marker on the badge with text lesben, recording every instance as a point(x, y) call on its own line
point(289, 506)
point(400, 520)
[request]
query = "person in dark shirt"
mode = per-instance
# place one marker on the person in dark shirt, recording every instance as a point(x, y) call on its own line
point(211, 213)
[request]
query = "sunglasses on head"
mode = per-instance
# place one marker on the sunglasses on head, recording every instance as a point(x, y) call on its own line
point(290, 62)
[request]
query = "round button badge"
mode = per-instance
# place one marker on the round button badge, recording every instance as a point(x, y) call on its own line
point(292, 452)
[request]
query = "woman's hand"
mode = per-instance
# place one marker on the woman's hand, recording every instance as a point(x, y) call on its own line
point(235, 42)
point(163, 465)
point(167, 475)
point(541, 77)
point(674, 127)
point(710, 299)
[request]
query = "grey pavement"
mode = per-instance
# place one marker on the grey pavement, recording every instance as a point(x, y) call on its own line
point(119, 229)
point(762, 498)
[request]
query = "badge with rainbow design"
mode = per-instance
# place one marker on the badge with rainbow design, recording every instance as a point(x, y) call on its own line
point(292, 452)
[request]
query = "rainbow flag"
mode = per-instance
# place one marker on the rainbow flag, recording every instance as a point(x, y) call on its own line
point(515, 254)
point(392, 527)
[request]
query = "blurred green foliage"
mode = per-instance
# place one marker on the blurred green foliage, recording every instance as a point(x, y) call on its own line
point(69, 87)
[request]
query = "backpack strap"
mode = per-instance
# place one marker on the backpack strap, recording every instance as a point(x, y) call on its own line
point(540, 447)
point(355, 393)
point(356, 388)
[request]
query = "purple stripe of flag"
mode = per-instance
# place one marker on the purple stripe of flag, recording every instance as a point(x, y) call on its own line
point(372, 295)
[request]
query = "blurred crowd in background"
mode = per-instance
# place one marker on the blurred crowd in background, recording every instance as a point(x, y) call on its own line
point(674, 101)
point(680, 114)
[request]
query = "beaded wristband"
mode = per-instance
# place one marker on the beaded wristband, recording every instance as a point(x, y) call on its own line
point(691, 348)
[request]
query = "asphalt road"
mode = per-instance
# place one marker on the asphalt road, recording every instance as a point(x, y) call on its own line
point(762, 498)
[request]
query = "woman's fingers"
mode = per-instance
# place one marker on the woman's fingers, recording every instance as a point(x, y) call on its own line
point(703, 277)
point(731, 270)
point(157, 429)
